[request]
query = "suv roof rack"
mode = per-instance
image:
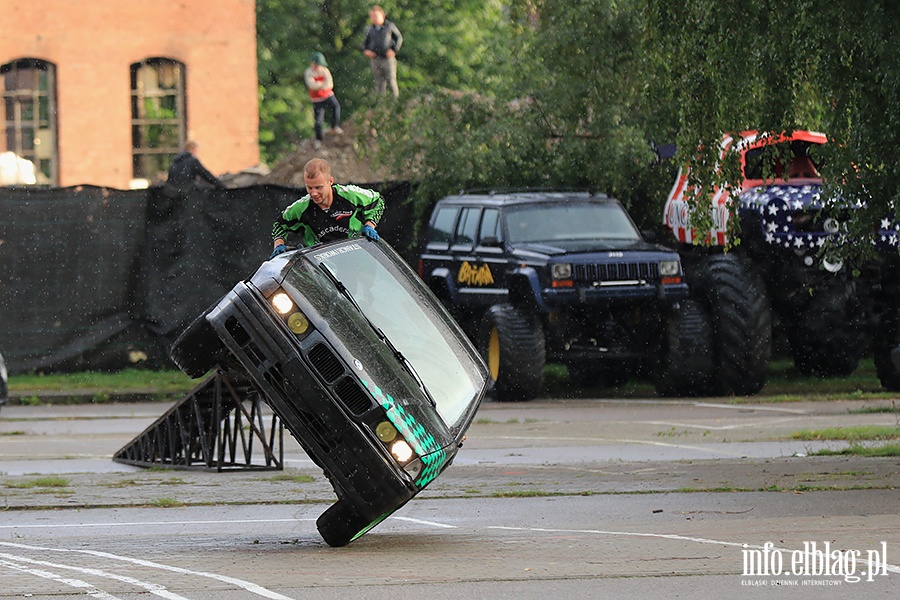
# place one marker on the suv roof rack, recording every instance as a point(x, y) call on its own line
point(519, 190)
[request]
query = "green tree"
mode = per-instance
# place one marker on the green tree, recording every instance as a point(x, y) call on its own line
point(785, 65)
point(446, 43)
point(565, 103)
point(288, 32)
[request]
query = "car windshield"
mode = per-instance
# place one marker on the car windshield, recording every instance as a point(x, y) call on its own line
point(564, 221)
point(395, 301)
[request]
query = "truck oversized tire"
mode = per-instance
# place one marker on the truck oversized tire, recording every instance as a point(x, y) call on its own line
point(887, 337)
point(827, 337)
point(686, 366)
point(198, 349)
point(511, 340)
point(338, 525)
point(741, 319)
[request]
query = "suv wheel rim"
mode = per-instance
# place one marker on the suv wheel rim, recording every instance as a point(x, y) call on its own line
point(494, 354)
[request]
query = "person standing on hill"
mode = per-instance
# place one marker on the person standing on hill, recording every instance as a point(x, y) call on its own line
point(383, 41)
point(321, 91)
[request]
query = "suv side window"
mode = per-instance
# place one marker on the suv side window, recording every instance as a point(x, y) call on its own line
point(466, 228)
point(442, 230)
point(490, 227)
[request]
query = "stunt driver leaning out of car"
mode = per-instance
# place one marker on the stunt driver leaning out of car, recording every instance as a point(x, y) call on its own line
point(328, 211)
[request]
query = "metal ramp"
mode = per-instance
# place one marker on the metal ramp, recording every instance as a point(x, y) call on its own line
point(220, 425)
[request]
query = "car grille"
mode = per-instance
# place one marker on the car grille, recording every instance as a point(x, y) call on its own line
point(353, 396)
point(616, 272)
point(325, 362)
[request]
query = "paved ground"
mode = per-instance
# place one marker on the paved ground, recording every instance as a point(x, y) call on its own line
point(552, 447)
point(582, 499)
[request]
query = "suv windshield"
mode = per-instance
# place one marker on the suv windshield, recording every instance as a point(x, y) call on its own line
point(569, 221)
point(390, 295)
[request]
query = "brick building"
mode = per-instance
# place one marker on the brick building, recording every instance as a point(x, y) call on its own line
point(104, 92)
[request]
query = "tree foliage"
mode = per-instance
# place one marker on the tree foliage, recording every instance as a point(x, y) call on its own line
point(781, 66)
point(568, 108)
point(445, 42)
point(573, 92)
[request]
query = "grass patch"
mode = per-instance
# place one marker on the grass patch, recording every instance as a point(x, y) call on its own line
point(523, 494)
point(172, 481)
point(17, 432)
point(126, 380)
point(860, 450)
point(166, 503)
point(850, 434)
point(868, 410)
point(785, 384)
point(40, 482)
point(123, 484)
point(293, 478)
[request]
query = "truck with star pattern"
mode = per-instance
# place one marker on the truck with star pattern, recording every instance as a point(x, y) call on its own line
point(780, 281)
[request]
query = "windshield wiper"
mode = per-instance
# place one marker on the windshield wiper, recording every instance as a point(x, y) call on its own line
point(381, 334)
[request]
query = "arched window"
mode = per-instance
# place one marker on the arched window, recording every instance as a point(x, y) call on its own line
point(29, 99)
point(158, 120)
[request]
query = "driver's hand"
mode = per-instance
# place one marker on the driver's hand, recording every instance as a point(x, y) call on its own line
point(369, 232)
point(278, 250)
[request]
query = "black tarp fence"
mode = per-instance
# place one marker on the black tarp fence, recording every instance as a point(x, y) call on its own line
point(95, 278)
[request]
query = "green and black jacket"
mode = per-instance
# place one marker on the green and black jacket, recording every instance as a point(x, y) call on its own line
point(350, 209)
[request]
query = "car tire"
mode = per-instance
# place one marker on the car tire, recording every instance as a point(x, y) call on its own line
point(511, 340)
point(686, 367)
point(339, 525)
point(736, 300)
point(826, 339)
point(199, 348)
point(887, 337)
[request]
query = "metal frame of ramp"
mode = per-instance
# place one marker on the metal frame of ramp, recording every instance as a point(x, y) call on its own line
point(220, 425)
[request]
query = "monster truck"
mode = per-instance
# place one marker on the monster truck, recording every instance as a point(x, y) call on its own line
point(365, 367)
point(776, 275)
point(536, 276)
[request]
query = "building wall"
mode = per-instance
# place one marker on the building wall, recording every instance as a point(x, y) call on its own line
point(94, 43)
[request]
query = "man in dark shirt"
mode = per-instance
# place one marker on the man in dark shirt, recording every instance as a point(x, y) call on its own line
point(186, 168)
point(383, 41)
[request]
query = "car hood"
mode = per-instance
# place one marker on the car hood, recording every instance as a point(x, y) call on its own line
point(558, 247)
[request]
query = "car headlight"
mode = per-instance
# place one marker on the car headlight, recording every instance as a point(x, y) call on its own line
point(668, 268)
point(401, 450)
point(282, 303)
point(561, 270)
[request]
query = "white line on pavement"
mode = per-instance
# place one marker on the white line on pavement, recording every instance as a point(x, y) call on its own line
point(246, 585)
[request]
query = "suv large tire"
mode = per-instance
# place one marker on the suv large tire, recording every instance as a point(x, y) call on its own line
point(511, 340)
point(887, 337)
point(741, 319)
point(826, 339)
point(686, 367)
point(199, 348)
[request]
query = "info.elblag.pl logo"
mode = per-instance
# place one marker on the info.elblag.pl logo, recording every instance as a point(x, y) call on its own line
point(812, 564)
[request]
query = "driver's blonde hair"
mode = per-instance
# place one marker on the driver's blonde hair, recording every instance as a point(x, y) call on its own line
point(317, 166)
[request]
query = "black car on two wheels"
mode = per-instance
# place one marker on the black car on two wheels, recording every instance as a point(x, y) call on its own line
point(366, 369)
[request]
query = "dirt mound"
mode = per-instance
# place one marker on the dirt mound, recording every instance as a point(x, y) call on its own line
point(341, 150)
